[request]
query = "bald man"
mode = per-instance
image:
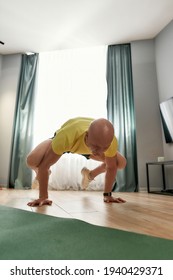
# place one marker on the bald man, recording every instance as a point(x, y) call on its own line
point(85, 136)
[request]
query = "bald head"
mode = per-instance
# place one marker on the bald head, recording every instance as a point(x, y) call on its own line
point(100, 135)
point(101, 128)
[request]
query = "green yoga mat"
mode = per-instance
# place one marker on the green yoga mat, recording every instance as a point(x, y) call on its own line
point(31, 236)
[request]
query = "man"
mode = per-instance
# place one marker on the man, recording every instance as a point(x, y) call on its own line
point(92, 138)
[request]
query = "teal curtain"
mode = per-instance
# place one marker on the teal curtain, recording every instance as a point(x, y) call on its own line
point(20, 176)
point(120, 111)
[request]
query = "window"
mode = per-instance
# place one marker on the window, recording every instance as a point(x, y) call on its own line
point(71, 83)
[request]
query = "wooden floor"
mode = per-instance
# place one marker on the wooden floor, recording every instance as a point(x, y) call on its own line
point(145, 213)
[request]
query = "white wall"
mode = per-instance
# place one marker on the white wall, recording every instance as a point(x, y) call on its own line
point(0, 67)
point(152, 63)
point(148, 126)
point(9, 75)
point(164, 66)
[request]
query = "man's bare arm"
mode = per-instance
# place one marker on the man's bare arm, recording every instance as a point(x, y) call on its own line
point(110, 175)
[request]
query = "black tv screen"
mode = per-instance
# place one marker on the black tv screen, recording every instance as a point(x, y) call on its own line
point(166, 110)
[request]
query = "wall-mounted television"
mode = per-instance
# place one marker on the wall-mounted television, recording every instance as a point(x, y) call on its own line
point(166, 110)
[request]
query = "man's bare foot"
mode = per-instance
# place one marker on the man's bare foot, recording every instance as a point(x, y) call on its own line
point(40, 202)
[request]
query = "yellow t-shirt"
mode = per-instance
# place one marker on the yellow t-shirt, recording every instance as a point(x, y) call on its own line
point(70, 138)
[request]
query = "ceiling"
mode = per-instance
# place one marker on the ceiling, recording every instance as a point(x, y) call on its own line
point(47, 25)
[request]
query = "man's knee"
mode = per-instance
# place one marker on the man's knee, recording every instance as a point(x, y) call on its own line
point(123, 163)
point(29, 160)
point(121, 160)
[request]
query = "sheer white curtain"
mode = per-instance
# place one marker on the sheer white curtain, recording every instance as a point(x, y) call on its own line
point(71, 83)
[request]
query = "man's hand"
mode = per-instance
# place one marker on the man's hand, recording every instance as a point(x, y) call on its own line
point(40, 202)
point(110, 199)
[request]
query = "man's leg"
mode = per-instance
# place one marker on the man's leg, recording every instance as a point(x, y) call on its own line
point(41, 159)
point(36, 156)
point(121, 161)
point(89, 175)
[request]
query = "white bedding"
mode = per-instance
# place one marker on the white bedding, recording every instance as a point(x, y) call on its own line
point(66, 173)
